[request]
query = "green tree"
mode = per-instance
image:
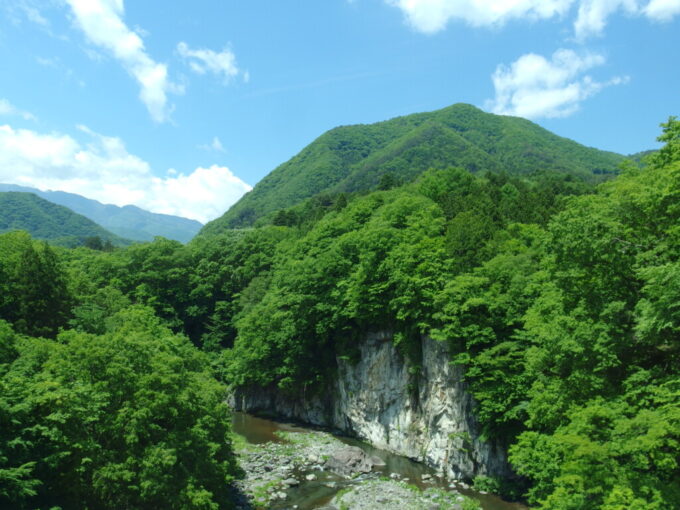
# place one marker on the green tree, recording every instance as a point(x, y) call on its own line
point(671, 135)
point(129, 419)
point(38, 300)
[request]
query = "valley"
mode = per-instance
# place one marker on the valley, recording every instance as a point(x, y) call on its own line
point(505, 316)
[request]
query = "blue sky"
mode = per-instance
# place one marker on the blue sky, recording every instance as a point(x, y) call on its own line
point(179, 107)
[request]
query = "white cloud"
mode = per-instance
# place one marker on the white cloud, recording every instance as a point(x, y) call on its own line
point(102, 23)
point(214, 145)
point(202, 195)
point(103, 169)
point(662, 10)
point(431, 16)
point(593, 15)
point(7, 108)
point(535, 87)
point(203, 60)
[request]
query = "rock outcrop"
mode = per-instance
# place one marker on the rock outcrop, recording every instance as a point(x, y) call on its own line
point(429, 418)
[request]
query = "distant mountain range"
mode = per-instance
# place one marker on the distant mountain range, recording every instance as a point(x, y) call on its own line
point(129, 222)
point(51, 222)
point(357, 158)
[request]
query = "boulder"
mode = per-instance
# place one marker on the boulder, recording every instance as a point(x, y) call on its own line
point(349, 460)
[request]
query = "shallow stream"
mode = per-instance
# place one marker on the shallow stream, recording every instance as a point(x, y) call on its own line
point(314, 494)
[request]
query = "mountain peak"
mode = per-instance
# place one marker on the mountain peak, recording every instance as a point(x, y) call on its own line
point(354, 158)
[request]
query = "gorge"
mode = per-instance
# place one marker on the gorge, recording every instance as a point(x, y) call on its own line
point(428, 416)
point(463, 289)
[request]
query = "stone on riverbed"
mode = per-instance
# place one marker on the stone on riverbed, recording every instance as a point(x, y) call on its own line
point(292, 482)
point(349, 460)
point(377, 461)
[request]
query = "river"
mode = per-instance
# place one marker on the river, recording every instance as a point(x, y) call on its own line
point(314, 494)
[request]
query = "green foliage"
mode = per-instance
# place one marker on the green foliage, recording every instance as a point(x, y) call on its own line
point(375, 264)
point(380, 263)
point(45, 220)
point(480, 313)
point(194, 288)
point(603, 409)
point(379, 156)
point(35, 298)
point(128, 419)
point(671, 135)
point(487, 484)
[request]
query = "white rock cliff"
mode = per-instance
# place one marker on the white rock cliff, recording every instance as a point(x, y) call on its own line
point(429, 419)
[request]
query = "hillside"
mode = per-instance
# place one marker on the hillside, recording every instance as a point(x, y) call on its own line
point(355, 158)
point(48, 221)
point(128, 221)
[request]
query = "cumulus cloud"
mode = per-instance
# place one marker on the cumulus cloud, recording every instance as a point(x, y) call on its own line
point(103, 169)
point(7, 108)
point(204, 61)
point(431, 16)
point(535, 87)
point(102, 23)
point(202, 195)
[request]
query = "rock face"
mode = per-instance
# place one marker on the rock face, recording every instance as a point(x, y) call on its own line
point(428, 418)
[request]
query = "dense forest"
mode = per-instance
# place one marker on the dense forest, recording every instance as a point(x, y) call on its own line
point(558, 294)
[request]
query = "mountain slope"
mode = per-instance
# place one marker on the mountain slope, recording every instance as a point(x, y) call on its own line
point(354, 158)
point(129, 221)
point(48, 221)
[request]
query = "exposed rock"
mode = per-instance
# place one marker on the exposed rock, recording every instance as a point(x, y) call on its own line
point(265, 486)
point(377, 461)
point(429, 418)
point(349, 460)
point(389, 494)
point(291, 482)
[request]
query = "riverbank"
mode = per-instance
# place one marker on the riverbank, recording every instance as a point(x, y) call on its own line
point(288, 467)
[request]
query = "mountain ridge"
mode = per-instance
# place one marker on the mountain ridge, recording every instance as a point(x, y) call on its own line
point(129, 221)
point(49, 221)
point(355, 157)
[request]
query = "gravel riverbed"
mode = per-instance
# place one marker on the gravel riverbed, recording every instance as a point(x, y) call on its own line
point(313, 469)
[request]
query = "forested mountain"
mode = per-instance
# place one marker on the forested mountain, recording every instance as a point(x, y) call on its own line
point(556, 296)
point(128, 221)
point(49, 221)
point(365, 157)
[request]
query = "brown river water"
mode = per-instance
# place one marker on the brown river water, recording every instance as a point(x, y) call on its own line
point(309, 496)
